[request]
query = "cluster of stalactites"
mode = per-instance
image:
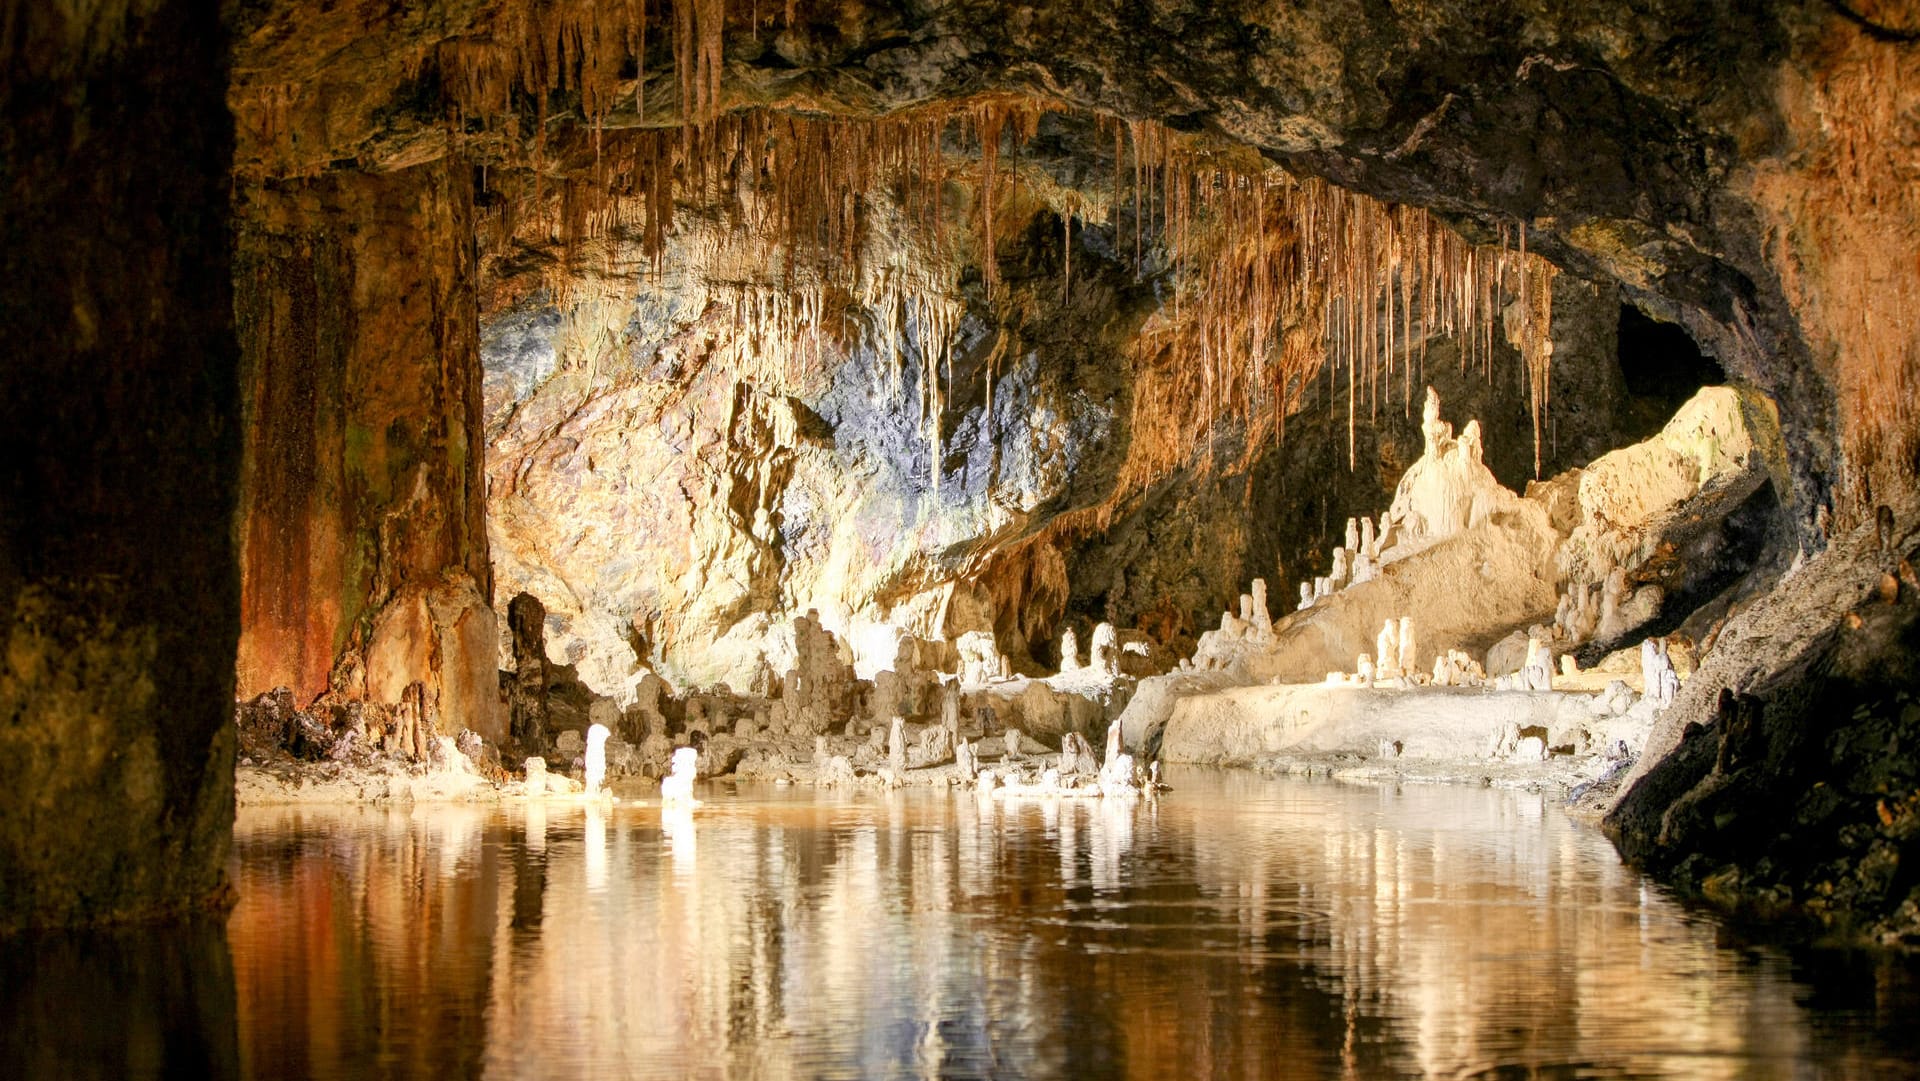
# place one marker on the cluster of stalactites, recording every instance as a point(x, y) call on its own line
point(1275, 279)
point(1279, 278)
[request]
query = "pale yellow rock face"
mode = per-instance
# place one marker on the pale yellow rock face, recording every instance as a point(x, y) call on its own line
point(1716, 450)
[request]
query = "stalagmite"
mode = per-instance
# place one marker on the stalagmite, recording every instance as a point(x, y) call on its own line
point(596, 757)
point(1387, 651)
point(676, 789)
point(897, 749)
point(1104, 655)
point(1076, 756)
point(1353, 534)
point(1659, 681)
point(1409, 660)
point(1010, 743)
point(966, 761)
point(1306, 597)
point(1262, 616)
point(1069, 651)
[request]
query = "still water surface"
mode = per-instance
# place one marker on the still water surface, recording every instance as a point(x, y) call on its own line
point(1235, 927)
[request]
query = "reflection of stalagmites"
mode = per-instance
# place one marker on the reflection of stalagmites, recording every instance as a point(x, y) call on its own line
point(1104, 654)
point(596, 757)
point(1386, 651)
point(1409, 665)
point(1069, 650)
point(676, 788)
point(983, 786)
point(897, 747)
point(1662, 683)
point(1262, 616)
point(1306, 597)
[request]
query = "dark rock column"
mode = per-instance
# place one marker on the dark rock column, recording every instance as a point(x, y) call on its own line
point(527, 618)
point(361, 522)
point(118, 461)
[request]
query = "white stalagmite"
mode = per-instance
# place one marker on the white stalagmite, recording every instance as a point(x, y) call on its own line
point(1660, 682)
point(1104, 654)
point(596, 757)
point(676, 789)
point(897, 748)
point(1069, 650)
point(1409, 655)
point(1386, 650)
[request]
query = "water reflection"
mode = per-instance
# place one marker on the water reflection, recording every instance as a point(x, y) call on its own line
point(1240, 926)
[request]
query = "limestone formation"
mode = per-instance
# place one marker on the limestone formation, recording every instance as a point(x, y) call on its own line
point(979, 658)
point(966, 760)
point(1076, 757)
point(1387, 651)
point(676, 789)
point(1103, 655)
point(1261, 616)
point(897, 749)
point(1447, 491)
point(1409, 652)
point(596, 764)
point(1069, 651)
point(1010, 743)
point(527, 697)
point(1306, 597)
point(1661, 684)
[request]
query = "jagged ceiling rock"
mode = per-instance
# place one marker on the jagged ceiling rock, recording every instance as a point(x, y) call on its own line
point(1695, 152)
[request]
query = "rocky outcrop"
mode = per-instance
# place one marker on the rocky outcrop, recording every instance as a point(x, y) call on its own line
point(1782, 779)
point(361, 517)
point(119, 462)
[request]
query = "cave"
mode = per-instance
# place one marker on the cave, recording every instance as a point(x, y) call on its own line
point(960, 538)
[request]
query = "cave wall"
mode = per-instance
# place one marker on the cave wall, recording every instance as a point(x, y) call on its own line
point(1735, 168)
point(363, 548)
point(118, 399)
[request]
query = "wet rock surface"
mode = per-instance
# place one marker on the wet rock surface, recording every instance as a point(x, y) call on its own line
point(1782, 780)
